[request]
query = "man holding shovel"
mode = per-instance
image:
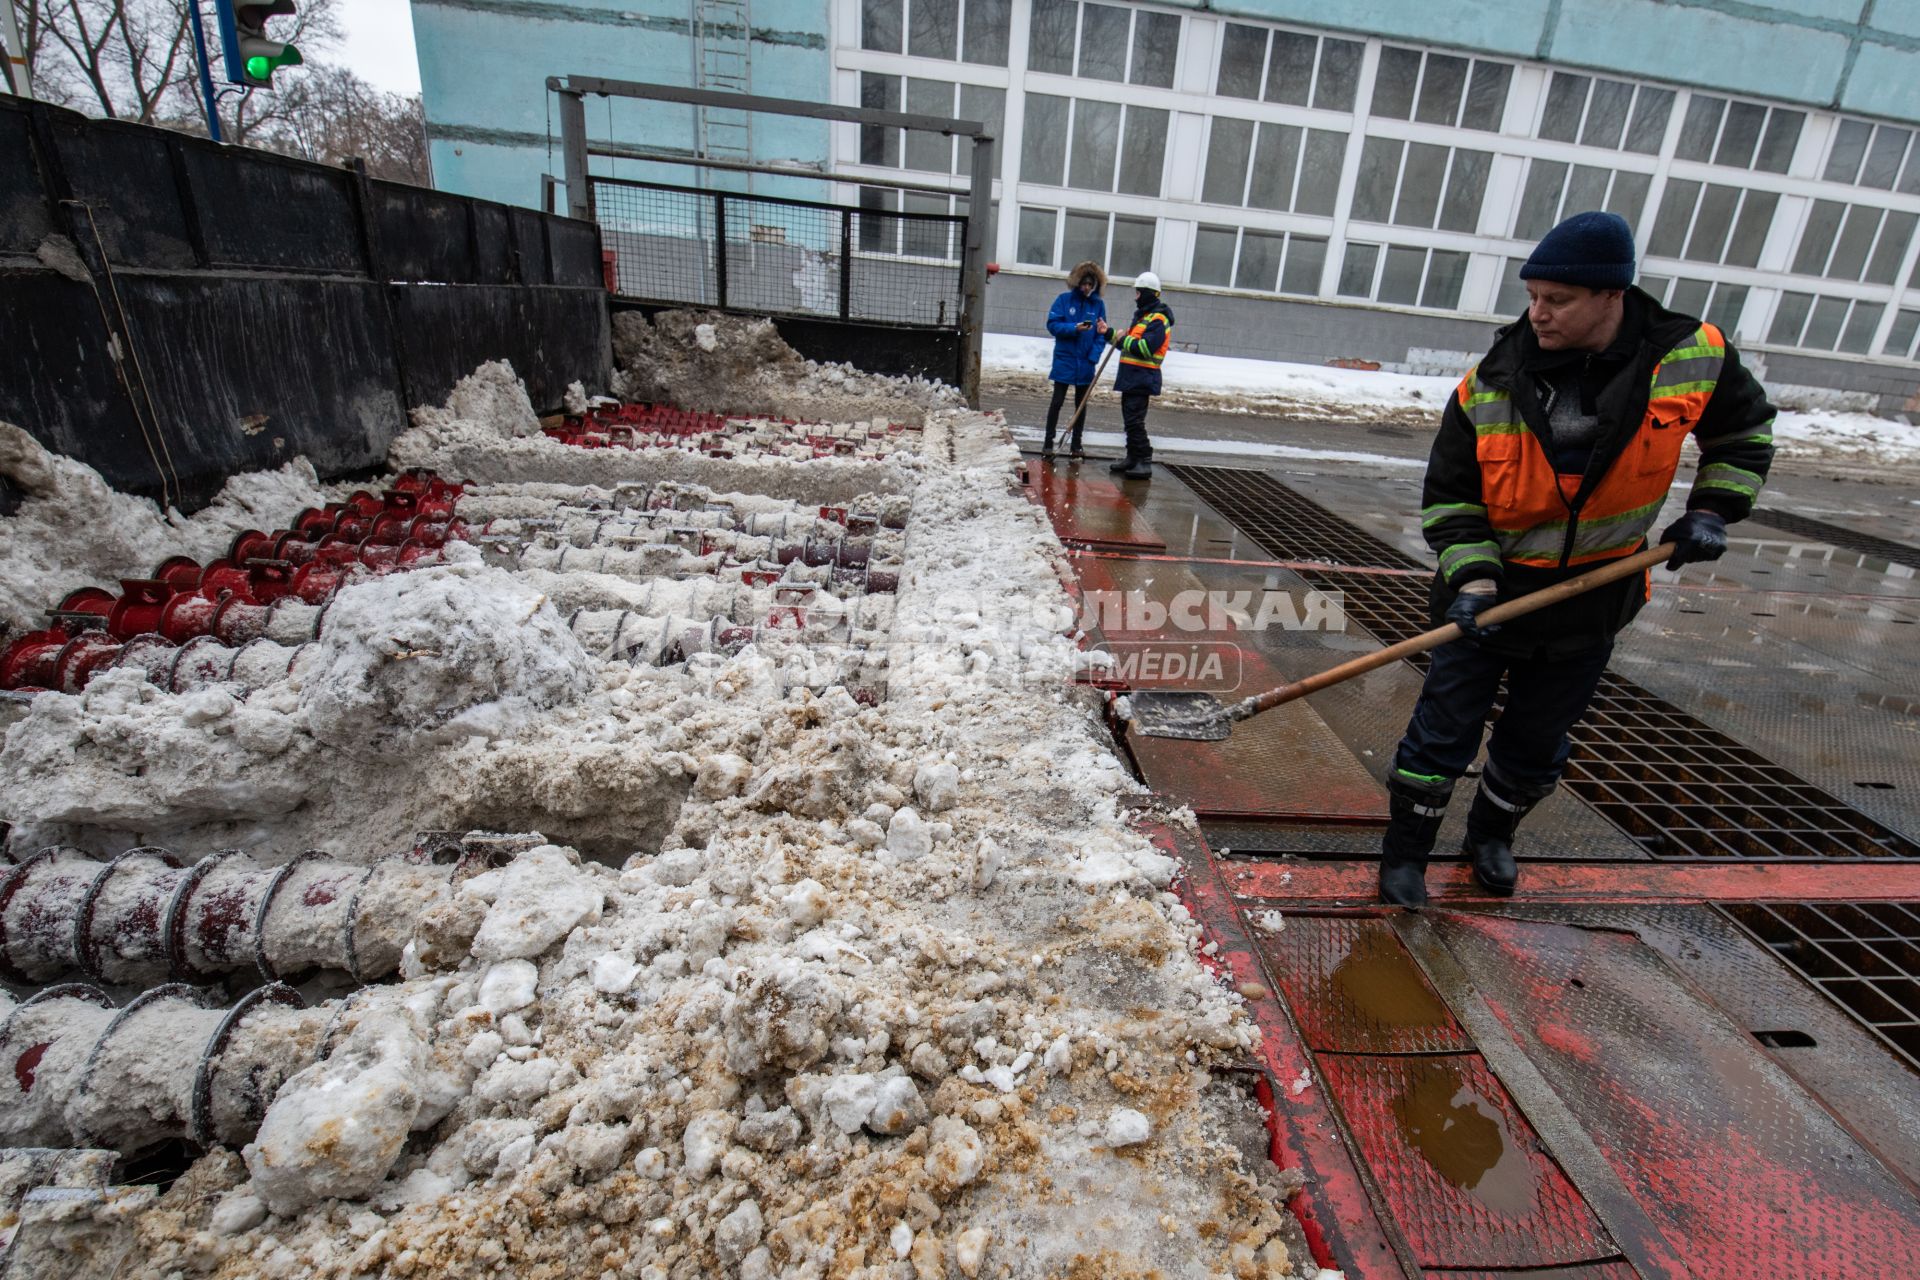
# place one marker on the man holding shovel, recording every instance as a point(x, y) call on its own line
point(1554, 457)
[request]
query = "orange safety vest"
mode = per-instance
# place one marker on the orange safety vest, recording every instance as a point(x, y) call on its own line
point(1530, 506)
point(1134, 349)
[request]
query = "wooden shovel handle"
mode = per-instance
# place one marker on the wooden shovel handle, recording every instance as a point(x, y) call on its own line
point(1433, 639)
point(1080, 410)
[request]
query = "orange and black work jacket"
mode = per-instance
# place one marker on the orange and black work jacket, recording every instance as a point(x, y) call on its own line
point(1143, 347)
point(1495, 505)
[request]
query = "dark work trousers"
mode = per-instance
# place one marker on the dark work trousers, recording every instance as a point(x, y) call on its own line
point(1133, 412)
point(1529, 743)
point(1060, 398)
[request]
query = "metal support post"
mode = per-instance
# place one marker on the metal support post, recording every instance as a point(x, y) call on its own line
point(846, 264)
point(573, 144)
point(13, 57)
point(207, 99)
point(973, 270)
point(720, 250)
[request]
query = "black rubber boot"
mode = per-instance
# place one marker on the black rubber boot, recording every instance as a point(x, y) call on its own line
point(1498, 807)
point(1138, 469)
point(1120, 464)
point(1416, 809)
point(1074, 450)
point(1046, 447)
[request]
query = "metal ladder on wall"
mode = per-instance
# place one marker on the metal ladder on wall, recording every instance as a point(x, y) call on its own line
point(721, 61)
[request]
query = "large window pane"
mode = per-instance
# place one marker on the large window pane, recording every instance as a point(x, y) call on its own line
point(1816, 242)
point(1586, 190)
point(926, 239)
point(1512, 298)
point(1445, 274)
point(989, 107)
point(1043, 140)
point(1823, 326)
point(1629, 195)
point(1394, 82)
point(1145, 154)
point(1701, 127)
point(878, 234)
point(1466, 187)
point(1910, 176)
point(1689, 297)
point(1424, 174)
point(1856, 240)
point(1729, 300)
point(1750, 232)
point(879, 145)
point(1849, 149)
point(1243, 58)
point(931, 152)
point(1487, 96)
point(1213, 255)
point(1566, 99)
point(1892, 247)
point(1540, 199)
point(1789, 318)
point(880, 25)
point(1373, 189)
point(1103, 42)
point(1607, 114)
point(1440, 89)
point(1356, 270)
point(1132, 246)
point(1050, 38)
point(1306, 260)
point(1676, 213)
point(1648, 128)
point(933, 29)
point(986, 32)
point(1230, 143)
point(1781, 137)
point(1857, 337)
point(1400, 278)
point(1275, 156)
point(1259, 260)
point(1906, 326)
point(1740, 135)
point(1156, 47)
point(1096, 145)
point(1036, 236)
point(1884, 156)
point(1320, 172)
point(1339, 74)
point(1656, 286)
point(1711, 225)
point(1290, 68)
point(1085, 240)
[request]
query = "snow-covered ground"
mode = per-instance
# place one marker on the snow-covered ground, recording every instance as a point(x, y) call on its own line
point(785, 986)
point(1850, 442)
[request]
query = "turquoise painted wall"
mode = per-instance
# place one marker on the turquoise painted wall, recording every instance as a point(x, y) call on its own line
point(484, 66)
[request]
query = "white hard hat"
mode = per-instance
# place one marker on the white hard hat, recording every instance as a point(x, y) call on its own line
point(1147, 280)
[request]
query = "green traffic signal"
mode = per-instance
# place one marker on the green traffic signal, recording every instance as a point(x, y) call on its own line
point(260, 67)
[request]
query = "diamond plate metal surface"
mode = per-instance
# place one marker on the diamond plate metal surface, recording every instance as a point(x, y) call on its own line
point(1461, 1167)
point(1087, 509)
point(1585, 1271)
point(1848, 539)
point(1354, 989)
point(1741, 1168)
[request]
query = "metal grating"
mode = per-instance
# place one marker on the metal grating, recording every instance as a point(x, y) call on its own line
point(1288, 525)
point(1678, 786)
point(1838, 536)
point(1865, 956)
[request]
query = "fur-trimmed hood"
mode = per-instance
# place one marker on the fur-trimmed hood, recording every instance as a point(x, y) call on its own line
point(1081, 269)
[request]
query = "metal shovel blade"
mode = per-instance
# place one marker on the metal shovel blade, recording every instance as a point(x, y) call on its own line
point(1196, 717)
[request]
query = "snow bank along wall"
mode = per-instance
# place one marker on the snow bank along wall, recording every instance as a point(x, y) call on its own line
point(173, 312)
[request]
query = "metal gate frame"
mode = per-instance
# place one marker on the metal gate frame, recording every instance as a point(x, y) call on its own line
point(573, 90)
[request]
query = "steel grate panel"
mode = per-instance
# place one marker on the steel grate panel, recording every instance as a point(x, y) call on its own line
point(1837, 535)
point(1288, 525)
point(1354, 988)
point(1734, 1161)
point(1677, 786)
point(1467, 1177)
point(1864, 956)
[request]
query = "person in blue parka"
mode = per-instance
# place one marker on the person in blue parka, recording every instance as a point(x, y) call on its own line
point(1073, 321)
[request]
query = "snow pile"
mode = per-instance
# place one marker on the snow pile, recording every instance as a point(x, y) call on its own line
point(490, 394)
point(72, 530)
point(1855, 439)
point(447, 650)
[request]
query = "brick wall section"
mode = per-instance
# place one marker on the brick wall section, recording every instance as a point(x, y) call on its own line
point(1225, 324)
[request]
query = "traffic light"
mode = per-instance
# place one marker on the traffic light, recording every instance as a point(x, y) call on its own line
point(252, 56)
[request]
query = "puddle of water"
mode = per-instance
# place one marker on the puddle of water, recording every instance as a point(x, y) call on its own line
point(1462, 1137)
point(1380, 982)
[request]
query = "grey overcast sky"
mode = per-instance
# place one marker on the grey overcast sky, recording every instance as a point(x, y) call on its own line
point(378, 44)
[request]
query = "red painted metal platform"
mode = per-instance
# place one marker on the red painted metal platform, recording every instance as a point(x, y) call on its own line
point(1088, 509)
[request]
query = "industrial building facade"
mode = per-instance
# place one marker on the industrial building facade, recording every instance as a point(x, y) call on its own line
point(1765, 156)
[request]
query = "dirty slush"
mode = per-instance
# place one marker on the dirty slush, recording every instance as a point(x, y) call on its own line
point(858, 976)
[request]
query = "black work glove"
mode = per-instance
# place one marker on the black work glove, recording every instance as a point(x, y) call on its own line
point(1475, 598)
point(1696, 536)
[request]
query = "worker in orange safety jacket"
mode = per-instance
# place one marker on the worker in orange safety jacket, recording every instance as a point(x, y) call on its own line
point(1554, 456)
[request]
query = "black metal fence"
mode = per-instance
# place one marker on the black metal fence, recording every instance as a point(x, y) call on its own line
point(699, 247)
